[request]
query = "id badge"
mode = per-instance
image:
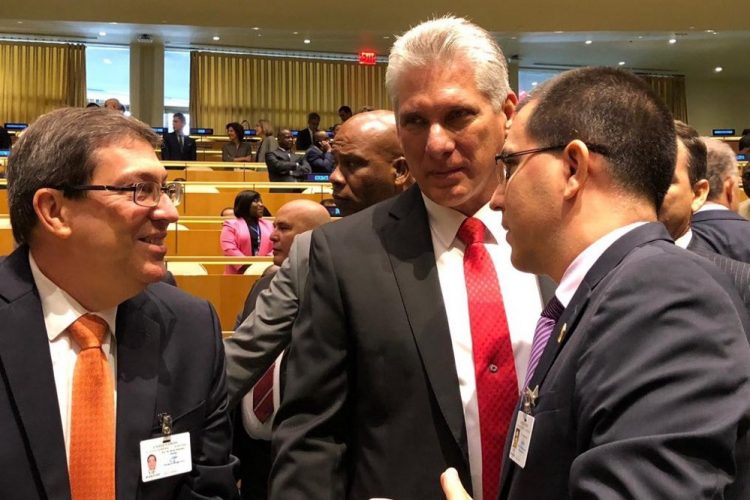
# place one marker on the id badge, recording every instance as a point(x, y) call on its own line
point(519, 448)
point(162, 458)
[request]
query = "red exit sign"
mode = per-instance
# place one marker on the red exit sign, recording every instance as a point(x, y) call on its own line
point(367, 57)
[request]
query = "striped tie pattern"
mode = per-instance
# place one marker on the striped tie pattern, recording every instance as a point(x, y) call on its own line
point(544, 327)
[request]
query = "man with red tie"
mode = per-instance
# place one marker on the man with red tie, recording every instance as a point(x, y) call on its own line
point(414, 337)
point(103, 366)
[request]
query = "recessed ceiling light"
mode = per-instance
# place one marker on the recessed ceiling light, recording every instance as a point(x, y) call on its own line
point(621, 63)
point(260, 34)
point(588, 42)
point(718, 69)
point(307, 40)
point(107, 60)
point(513, 37)
point(113, 22)
point(19, 22)
point(709, 31)
point(640, 37)
point(256, 28)
point(534, 84)
point(295, 32)
point(386, 37)
point(672, 41)
point(217, 38)
point(102, 33)
point(559, 32)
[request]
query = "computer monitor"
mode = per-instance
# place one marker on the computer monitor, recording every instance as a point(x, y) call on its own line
point(251, 132)
point(160, 130)
point(318, 177)
point(201, 131)
point(4, 153)
point(295, 133)
point(723, 132)
point(742, 157)
point(15, 126)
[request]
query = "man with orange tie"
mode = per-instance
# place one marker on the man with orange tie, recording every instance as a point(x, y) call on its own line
point(103, 366)
point(414, 335)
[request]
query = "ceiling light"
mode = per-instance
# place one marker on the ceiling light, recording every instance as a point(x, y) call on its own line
point(621, 63)
point(386, 37)
point(672, 41)
point(588, 42)
point(102, 33)
point(256, 28)
point(107, 60)
point(534, 84)
point(306, 40)
point(709, 31)
point(559, 32)
point(217, 38)
point(295, 32)
point(718, 69)
point(113, 22)
point(19, 22)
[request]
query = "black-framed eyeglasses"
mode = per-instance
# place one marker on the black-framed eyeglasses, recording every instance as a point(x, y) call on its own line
point(145, 194)
point(510, 161)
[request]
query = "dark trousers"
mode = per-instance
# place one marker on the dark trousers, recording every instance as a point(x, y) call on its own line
point(255, 462)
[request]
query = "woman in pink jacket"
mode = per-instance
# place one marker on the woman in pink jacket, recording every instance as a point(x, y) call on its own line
point(248, 234)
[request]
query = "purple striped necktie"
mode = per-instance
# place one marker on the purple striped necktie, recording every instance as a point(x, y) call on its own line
point(544, 327)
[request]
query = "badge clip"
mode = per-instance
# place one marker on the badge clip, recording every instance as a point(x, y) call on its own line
point(529, 399)
point(166, 426)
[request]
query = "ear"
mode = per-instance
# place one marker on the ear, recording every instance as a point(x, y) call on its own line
point(729, 187)
point(577, 162)
point(52, 212)
point(700, 193)
point(509, 106)
point(401, 171)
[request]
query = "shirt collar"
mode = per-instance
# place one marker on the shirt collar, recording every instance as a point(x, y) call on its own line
point(59, 308)
point(445, 222)
point(684, 240)
point(711, 205)
point(585, 260)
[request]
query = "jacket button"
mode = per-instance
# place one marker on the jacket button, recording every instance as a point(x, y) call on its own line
point(493, 368)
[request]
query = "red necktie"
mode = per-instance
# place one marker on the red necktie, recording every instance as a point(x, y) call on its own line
point(92, 421)
point(263, 396)
point(494, 366)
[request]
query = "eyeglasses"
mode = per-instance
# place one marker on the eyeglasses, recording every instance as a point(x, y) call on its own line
point(509, 161)
point(145, 194)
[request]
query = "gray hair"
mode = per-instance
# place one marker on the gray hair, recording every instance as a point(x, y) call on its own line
point(722, 163)
point(443, 41)
point(60, 149)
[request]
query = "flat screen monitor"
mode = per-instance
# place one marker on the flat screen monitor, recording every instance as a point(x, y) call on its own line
point(160, 130)
point(741, 157)
point(201, 131)
point(723, 132)
point(15, 126)
point(295, 133)
point(4, 153)
point(334, 211)
point(251, 132)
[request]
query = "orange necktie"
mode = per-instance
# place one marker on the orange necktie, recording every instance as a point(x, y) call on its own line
point(92, 422)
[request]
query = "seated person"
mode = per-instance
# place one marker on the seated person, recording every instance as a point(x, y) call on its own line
point(237, 149)
point(305, 137)
point(5, 140)
point(319, 155)
point(283, 165)
point(247, 234)
point(268, 142)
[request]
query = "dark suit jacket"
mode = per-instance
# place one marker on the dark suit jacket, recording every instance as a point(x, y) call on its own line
point(285, 166)
point(304, 140)
point(726, 233)
point(319, 161)
point(371, 405)
point(651, 344)
point(738, 272)
point(169, 360)
point(170, 149)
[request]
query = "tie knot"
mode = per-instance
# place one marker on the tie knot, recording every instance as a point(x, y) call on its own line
point(88, 331)
point(553, 310)
point(471, 231)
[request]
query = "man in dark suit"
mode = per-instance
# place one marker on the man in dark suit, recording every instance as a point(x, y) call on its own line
point(282, 164)
point(717, 223)
point(390, 362)
point(319, 155)
point(687, 193)
point(648, 340)
point(305, 136)
point(178, 146)
point(97, 356)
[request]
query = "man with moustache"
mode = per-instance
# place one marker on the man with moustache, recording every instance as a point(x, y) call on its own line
point(414, 336)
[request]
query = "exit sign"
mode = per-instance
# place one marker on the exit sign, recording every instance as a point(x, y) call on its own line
point(367, 57)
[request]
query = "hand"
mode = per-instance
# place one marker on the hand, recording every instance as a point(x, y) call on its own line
point(325, 146)
point(452, 487)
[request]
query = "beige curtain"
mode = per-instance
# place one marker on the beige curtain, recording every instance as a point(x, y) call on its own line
point(232, 87)
point(36, 78)
point(672, 90)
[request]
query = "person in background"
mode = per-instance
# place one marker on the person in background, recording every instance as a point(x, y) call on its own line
point(237, 149)
point(5, 139)
point(227, 213)
point(345, 112)
point(114, 104)
point(282, 164)
point(177, 146)
point(92, 105)
point(268, 142)
point(319, 155)
point(744, 148)
point(305, 137)
point(248, 234)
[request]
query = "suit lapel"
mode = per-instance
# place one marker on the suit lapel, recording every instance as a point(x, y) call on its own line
point(138, 353)
point(409, 247)
point(25, 358)
point(566, 325)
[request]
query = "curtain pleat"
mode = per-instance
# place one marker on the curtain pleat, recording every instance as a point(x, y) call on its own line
point(37, 78)
point(672, 91)
point(234, 87)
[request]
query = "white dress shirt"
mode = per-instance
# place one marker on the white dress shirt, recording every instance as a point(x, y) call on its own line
point(521, 297)
point(710, 205)
point(254, 427)
point(60, 311)
point(684, 240)
point(581, 265)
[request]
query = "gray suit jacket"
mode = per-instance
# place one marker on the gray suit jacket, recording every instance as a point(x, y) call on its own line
point(284, 166)
point(267, 331)
point(644, 387)
point(724, 231)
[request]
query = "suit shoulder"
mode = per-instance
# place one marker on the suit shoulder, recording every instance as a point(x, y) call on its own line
point(176, 300)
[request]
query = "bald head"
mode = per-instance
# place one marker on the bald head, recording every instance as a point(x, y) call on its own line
point(369, 161)
point(293, 218)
